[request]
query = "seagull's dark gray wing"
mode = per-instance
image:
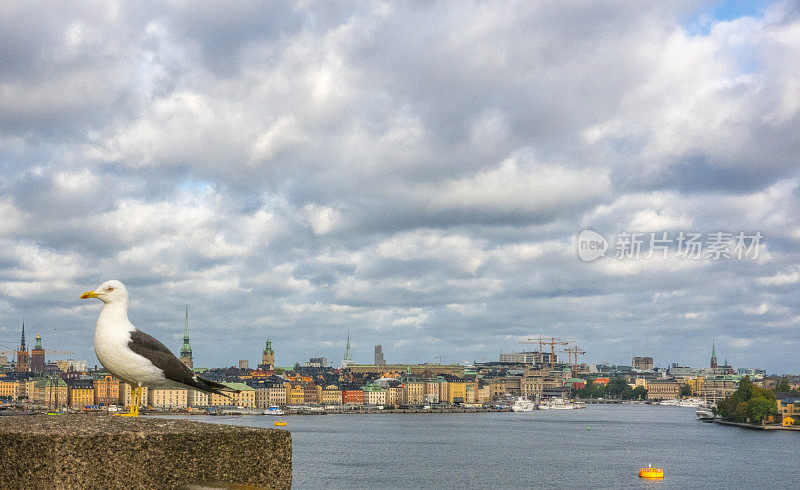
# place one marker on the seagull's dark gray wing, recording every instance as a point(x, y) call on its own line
point(161, 357)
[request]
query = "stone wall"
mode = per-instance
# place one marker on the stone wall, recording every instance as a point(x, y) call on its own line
point(94, 451)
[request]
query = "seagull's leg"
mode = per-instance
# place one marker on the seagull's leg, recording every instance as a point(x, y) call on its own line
point(138, 400)
point(132, 412)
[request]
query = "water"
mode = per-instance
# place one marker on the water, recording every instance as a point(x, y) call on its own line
point(602, 446)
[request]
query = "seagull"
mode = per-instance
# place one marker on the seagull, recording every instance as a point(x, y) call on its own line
point(135, 357)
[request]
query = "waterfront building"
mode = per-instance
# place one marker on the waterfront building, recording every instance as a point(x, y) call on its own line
point(277, 395)
point(394, 395)
point(37, 356)
point(456, 391)
point(413, 392)
point(50, 391)
point(789, 407)
point(170, 398)
point(106, 390)
point(332, 395)
point(352, 396)
point(23, 359)
point(9, 388)
point(504, 386)
point(374, 395)
point(471, 392)
point(186, 348)
point(268, 356)
point(295, 394)
point(312, 393)
point(197, 398)
point(716, 387)
point(245, 398)
point(126, 392)
point(431, 391)
point(642, 363)
point(663, 389)
point(80, 392)
point(25, 387)
point(379, 360)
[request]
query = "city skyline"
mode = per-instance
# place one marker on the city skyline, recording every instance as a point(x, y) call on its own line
point(440, 179)
point(268, 355)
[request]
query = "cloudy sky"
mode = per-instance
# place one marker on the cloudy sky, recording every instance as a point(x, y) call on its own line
point(415, 172)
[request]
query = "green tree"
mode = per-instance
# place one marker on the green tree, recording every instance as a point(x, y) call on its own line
point(783, 385)
point(639, 393)
point(296, 367)
point(760, 408)
point(686, 390)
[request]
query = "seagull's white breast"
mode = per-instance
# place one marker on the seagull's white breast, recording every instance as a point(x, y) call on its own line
point(111, 337)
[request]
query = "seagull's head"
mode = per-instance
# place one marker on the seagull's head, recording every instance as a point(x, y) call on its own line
point(108, 292)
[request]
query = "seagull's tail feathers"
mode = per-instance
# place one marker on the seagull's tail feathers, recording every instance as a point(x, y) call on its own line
point(211, 386)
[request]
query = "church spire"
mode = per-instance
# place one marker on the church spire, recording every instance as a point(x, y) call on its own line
point(22, 343)
point(186, 349)
point(713, 355)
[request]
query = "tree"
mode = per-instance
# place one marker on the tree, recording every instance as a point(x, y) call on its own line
point(686, 390)
point(297, 367)
point(748, 403)
point(783, 385)
point(639, 393)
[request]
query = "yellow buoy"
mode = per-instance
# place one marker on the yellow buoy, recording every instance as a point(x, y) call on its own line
point(651, 472)
point(280, 423)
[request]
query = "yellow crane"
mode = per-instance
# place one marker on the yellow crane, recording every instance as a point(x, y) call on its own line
point(551, 341)
point(574, 351)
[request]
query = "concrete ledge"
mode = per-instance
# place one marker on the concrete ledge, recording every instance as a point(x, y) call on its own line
point(91, 451)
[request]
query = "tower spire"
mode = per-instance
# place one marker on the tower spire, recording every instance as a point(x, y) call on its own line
point(186, 349)
point(713, 355)
point(348, 355)
point(22, 343)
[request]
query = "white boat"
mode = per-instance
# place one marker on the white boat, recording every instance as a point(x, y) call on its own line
point(691, 402)
point(559, 404)
point(705, 415)
point(669, 403)
point(274, 410)
point(522, 404)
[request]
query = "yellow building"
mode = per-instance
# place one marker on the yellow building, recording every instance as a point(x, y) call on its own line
point(25, 388)
point(294, 394)
point(787, 421)
point(332, 395)
point(50, 392)
point(413, 392)
point(125, 392)
point(245, 398)
point(9, 388)
point(197, 398)
point(788, 408)
point(456, 391)
point(171, 398)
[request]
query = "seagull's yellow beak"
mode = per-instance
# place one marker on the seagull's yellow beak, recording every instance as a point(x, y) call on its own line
point(88, 294)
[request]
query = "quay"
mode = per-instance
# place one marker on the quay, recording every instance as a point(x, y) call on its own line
point(95, 451)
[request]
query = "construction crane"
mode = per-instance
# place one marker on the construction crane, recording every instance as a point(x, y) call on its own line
point(551, 341)
point(574, 351)
point(440, 358)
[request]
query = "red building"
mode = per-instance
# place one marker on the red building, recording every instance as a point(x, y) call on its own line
point(352, 397)
point(601, 381)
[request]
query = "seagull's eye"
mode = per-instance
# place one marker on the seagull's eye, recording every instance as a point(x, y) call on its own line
point(110, 289)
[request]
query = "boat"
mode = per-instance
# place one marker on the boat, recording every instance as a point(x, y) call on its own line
point(651, 473)
point(559, 404)
point(668, 403)
point(691, 402)
point(522, 404)
point(280, 423)
point(274, 410)
point(705, 414)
